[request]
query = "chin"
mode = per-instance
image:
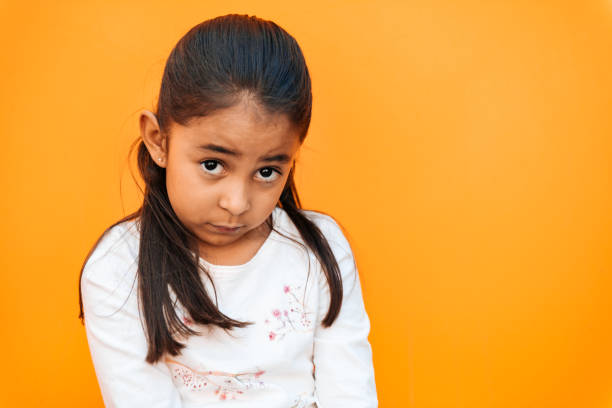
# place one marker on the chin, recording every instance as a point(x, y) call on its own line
point(219, 240)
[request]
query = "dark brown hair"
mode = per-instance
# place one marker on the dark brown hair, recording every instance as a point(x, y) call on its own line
point(211, 68)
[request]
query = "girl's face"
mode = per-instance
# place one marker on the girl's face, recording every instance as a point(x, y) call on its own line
point(225, 173)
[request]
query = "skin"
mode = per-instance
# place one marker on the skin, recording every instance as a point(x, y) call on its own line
point(208, 188)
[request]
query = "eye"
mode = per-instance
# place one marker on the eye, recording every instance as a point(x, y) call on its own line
point(213, 167)
point(269, 174)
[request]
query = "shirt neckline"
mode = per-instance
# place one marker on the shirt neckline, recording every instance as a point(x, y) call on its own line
point(226, 270)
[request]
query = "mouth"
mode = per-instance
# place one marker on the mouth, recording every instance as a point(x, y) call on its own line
point(226, 229)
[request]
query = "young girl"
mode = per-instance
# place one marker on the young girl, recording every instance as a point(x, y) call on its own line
point(220, 290)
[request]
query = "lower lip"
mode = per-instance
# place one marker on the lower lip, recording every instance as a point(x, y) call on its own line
point(225, 230)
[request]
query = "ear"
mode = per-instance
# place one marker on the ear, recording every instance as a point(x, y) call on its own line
point(153, 139)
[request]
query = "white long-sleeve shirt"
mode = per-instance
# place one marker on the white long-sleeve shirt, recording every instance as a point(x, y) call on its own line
point(285, 359)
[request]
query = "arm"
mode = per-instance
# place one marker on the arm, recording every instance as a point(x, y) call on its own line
point(344, 373)
point(114, 332)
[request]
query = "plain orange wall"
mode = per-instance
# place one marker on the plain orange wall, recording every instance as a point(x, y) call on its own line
point(465, 146)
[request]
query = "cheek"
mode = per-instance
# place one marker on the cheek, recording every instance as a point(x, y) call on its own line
point(270, 197)
point(263, 201)
point(186, 193)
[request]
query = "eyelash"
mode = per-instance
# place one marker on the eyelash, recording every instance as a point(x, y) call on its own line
point(274, 169)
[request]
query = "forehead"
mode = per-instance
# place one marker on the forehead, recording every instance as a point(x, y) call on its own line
point(244, 127)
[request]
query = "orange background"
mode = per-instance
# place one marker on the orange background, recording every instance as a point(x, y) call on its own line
point(465, 146)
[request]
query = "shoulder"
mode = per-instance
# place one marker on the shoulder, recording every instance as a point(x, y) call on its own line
point(321, 219)
point(336, 238)
point(330, 228)
point(111, 266)
point(117, 244)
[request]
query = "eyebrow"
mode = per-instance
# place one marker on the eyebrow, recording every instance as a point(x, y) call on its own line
point(282, 158)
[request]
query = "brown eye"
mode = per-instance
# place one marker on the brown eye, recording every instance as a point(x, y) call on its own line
point(269, 174)
point(212, 166)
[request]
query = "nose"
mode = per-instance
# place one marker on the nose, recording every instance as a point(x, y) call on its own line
point(235, 198)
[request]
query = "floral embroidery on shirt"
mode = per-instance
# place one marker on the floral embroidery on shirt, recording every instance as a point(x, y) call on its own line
point(303, 400)
point(292, 317)
point(224, 385)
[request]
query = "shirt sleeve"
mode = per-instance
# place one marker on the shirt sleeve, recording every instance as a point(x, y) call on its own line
point(344, 371)
point(115, 334)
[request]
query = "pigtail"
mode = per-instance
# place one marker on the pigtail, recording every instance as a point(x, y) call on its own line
point(316, 241)
point(168, 259)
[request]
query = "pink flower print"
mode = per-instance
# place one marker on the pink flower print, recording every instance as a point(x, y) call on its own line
point(187, 320)
point(293, 317)
point(222, 384)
